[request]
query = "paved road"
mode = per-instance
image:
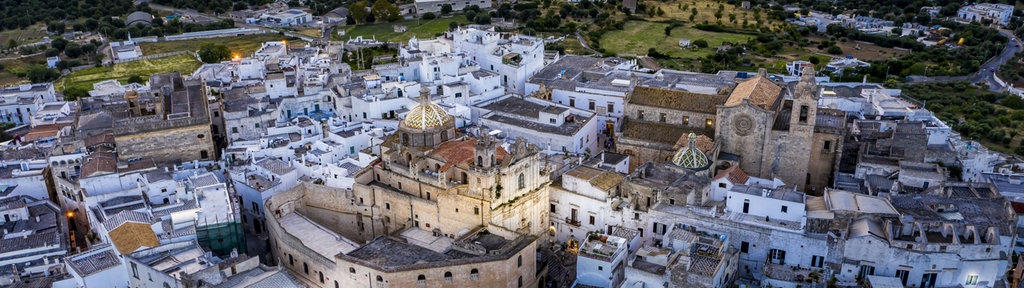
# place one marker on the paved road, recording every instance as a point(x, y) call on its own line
point(988, 70)
point(584, 43)
point(986, 74)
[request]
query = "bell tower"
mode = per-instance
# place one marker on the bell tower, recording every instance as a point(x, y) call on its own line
point(484, 150)
point(793, 151)
point(805, 102)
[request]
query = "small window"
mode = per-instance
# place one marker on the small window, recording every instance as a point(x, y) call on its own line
point(592, 219)
point(785, 209)
point(972, 280)
point(817, 261)
point(827, 146)
point(352, 270)
point(552, 120)
point(448, 277)
point(744, 247)
point(803, 113)
point(257, 125)
point(201, 136)
point(662, 117)
point(709, 123)
point(591, 105)
point(552, 209)
point(519, 261)
point(686, 120)
point(474, 274)
point(721, 185)
point(387, 206)
point(611, 107)
point(600, 268)
point(640, 115)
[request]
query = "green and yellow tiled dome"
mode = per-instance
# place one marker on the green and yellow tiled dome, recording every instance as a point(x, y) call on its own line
point(426, 116)
point(690, 156)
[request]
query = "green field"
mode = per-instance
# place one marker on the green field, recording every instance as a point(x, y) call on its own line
point(14, 66)
point(680, 10)
point(385, 31)
point(573, 46)
point(244, 45)
point(83, 79)
point(639, 36)
point(23, 36)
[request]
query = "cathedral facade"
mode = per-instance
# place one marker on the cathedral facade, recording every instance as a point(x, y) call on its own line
point(781, 132)
point(432, 178)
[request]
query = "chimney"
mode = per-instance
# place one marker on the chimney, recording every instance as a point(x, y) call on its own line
point(37, 219)
point(762, 72)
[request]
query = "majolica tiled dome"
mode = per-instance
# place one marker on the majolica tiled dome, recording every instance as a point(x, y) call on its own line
point(690, 156)
point(427, 115)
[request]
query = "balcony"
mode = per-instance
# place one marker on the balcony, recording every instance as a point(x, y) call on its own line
point(573, 222)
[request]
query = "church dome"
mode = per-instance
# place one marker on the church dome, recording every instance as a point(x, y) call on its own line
point(427, 115)
point(690, 156)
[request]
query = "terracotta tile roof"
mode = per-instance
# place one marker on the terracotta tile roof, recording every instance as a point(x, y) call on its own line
point(131, 236)
point(44, 131)
point(98, 164)
point(606, 180)
point(663, 133)
point(601, 179)
point(676, 99)
point(107, 137)
point(735, 174)
point(458, 152)
point(759, 90)
point(704, 143)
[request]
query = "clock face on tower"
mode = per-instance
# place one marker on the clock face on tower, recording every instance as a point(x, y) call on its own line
point(742, 124)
